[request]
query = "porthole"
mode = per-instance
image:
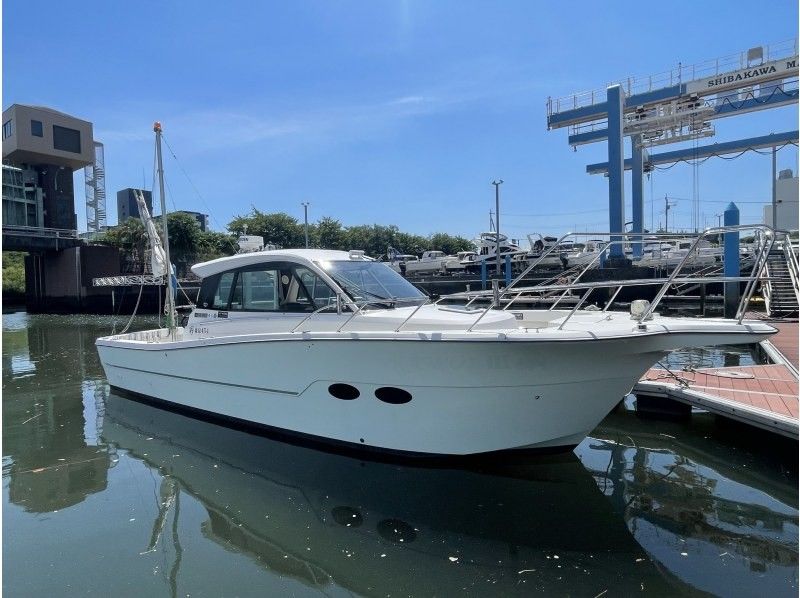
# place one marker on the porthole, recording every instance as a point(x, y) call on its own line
point(392, 395)
point(396, 530)
point(347, 516)
point(345, 392)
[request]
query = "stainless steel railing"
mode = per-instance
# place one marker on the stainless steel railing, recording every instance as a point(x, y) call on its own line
point(764, 241)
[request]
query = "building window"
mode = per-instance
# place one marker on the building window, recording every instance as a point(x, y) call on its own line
point(36, 128)
point(67, 140)
point(8, 129)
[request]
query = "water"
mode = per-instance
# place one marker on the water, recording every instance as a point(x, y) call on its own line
point(104, 496)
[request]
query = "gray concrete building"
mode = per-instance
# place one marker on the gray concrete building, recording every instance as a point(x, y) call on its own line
point(202, 219)
point(127, 206)
point(43, 147)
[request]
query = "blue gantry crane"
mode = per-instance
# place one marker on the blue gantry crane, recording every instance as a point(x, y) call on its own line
point(671, 107)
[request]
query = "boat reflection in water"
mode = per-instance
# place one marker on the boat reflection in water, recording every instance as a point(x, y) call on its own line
point(715, 504)
point(378, 528)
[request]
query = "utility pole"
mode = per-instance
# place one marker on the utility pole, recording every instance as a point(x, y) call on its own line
point(497, 184)
point(667, 206)
point(719, 220)
point(305, 205)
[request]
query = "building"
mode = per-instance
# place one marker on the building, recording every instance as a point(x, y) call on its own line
point(786, 199)
point(127, 206)
point(43, 147)
point(202, 219)
point(22, 197)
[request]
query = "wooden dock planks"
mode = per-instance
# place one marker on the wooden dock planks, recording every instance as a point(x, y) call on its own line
point(786, 341)
point(762, 395)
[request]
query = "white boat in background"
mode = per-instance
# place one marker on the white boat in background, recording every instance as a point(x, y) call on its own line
point(431, 261)
point(486, 251)
point(588, 254)
point(458, 262)
point(668, 253)
point(399, 261)
point(554, 257)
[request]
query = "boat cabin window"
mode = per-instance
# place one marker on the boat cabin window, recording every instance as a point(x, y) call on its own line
point(276, 286)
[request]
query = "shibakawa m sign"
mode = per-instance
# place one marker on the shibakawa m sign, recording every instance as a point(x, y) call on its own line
point(751, 75)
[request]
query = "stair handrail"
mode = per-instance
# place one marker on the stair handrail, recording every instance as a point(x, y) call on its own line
point(792, 264)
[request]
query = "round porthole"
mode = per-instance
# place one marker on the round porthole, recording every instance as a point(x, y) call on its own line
point(392, 395)
point(345, 392)
point(347, 516)
point(396, 530)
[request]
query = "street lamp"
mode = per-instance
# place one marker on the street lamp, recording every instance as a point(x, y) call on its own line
point(305, 205)
point(497, 184)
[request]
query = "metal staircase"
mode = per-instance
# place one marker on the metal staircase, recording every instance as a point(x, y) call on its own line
point(780, 290)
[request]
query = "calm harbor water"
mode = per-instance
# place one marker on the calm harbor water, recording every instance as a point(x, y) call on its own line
point(108, 497)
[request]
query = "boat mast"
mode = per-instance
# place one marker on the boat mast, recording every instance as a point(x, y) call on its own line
point(170, 302)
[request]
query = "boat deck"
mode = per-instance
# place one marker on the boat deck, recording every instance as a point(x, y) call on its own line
point(765, 396)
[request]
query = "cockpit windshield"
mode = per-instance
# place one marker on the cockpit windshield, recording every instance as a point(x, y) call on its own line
point(372, 282)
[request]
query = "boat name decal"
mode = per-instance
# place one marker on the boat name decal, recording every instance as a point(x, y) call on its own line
point(198, 330)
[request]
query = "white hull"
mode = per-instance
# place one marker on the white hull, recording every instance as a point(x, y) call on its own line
point(468, 396)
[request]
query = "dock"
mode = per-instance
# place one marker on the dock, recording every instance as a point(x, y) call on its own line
point(765, 396)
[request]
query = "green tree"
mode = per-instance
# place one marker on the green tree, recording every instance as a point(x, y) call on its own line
point(329, 234)
point(128, 237)
point(184, 236)
point(212, 245)
point(278, 228)
point(13, 275)
point(374, 239)
point(450, 244)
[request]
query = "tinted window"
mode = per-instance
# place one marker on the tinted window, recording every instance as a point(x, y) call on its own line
point(8, 129)
point(37, 129)
point(259, 290)
point(67, 140)
point(223, 292)
point(277, 286)
point(320, 293)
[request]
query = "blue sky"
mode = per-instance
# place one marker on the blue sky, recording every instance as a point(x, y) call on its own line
point(380, 112)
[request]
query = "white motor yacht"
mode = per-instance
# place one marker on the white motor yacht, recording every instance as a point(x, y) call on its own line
point(486, 245)
point(554, 254)
point(458, 262)
point(400, 261)
point(431, 261)
point(588, 254)
point(671, 252)
point(332, 346)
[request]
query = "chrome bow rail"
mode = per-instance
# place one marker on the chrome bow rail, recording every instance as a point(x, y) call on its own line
point(503, 299)
point(764, 238)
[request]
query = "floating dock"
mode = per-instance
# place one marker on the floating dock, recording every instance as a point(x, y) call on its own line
point(765, 396)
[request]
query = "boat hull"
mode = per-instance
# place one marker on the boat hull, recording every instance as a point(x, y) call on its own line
point(462, 397)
